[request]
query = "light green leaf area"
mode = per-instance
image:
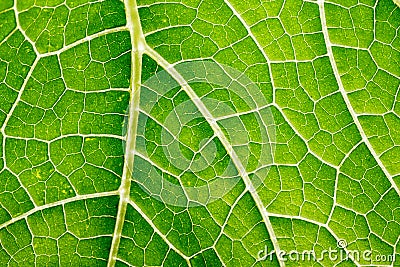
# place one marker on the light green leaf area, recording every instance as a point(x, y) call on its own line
point(199, 133)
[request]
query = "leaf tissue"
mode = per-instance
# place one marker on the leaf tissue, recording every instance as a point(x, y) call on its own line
point(200, 133)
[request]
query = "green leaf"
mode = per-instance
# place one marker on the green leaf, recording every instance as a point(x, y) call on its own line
point(199, 133)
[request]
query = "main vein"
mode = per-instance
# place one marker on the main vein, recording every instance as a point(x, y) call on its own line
point(137, 40)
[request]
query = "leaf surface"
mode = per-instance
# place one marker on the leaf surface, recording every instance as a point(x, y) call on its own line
point(199, 133)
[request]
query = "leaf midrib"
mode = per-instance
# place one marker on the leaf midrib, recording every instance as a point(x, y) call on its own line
point(137, 42)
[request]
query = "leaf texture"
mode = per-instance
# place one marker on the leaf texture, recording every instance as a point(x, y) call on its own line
point(199, 133)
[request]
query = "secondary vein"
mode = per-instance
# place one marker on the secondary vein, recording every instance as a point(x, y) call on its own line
point(346, 98)
point(221, 136)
